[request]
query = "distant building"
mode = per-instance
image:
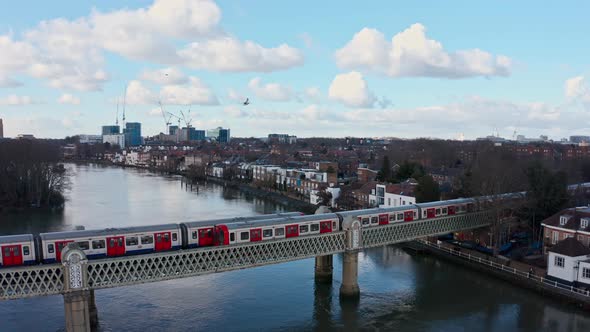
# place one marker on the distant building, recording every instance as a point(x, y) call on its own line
point(1, 129)
point(219, 134)
point(190, 134)
point(365, 174)
point(172, 130)
point(25, 136)
point(281, 139)
point(90, 139)
point(580, 139)
point(110, 130)
point(392, 195)
point(115, 139)
point(132, 133)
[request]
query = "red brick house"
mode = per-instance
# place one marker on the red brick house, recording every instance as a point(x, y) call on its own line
point(572, 222)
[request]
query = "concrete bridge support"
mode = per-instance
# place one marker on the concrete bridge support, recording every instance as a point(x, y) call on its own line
point(350, 287)
point(323, 268)
point(79, 304)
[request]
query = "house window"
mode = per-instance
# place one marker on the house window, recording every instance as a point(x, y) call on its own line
point(562, 220)
point(559, 261)
point(586, 273)
point(584, 222)
point(555, 237)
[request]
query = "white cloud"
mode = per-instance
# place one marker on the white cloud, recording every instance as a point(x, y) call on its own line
point(165, 76)
point(138, 94)
point(234, 112)
point(230, 54)
point(576, 87)
point(235, 96)
point(411, 53)
point(270, 91)
point(67, 98)
point(313, 93)
point(196, 92)
point(351, 90)
point(7, 82)
point(14, 100)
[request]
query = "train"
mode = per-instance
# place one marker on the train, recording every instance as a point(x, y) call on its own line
point(46, 248)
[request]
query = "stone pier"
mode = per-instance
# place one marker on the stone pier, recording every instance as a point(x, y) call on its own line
point(350, 287)
point(323, 268)
point(79, 305)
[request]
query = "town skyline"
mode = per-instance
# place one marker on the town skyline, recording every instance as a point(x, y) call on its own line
point(389, 71)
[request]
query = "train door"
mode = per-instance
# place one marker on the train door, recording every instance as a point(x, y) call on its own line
point(383, 219)
point(430, 213)
point(115, 246)
point(163, 241)
point(59, 247)
point(325, 226)
point(205, 237)
point(408, 215)
point(292, 231)
point(11, 255)
point(256, 235)
point(451, 210)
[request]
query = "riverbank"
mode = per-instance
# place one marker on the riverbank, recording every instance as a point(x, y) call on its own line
point(516, 273)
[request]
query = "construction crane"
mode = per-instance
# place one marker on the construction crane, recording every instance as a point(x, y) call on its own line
point(117, 116)
point(186, 117)
point(124, 104)
point(166, 120)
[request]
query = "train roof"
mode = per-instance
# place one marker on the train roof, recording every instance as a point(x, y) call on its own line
point(107, 231)
point(283, 221)
point(241, 219)
point(16, 238)
point(376, 210)
point(447, 202)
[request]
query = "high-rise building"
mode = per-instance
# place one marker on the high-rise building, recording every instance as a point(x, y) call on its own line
point(1, 129)
point(580, 139)
point(172, 130)
point(110, 130)
point(219, 134)
point(223, 136)
point(114, 139)
point(132, 133)
point(196, 135)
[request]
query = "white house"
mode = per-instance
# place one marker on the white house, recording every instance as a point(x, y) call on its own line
point(392, 195)
point(568, 262)
point(315, 199)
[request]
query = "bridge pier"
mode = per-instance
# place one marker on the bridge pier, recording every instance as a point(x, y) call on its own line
point(350, 287)
point(79, 303)
point(323, 268)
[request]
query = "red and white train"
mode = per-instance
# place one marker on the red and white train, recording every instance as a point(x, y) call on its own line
point(47, 247)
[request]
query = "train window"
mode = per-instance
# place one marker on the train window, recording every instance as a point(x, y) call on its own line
point(374, 220)
point(444, 210)
point(132, 241)
point(232, 237)
point(244, 236)
point(98, 244)
point(195, 234)
point(50, 248)
point(147, 239)
point(26, 251)
point(291, 230)
point(84, 245)
point(167, 237)
point(174, 236)
point(279, 231)
point(16, 253)
point(315, 227)
point(415, 214)
point(365, 221)
point(267, 233)
point(437, 211)
point(400, 216)
point(392, 217)
point(120, 242)
point(303, 228)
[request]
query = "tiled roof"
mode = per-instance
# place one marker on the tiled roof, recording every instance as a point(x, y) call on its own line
point(573, 223)
point(570, 247)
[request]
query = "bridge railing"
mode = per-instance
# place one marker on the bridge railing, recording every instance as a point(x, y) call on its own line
point(186, 263)
point(403, 232)
point(29, 281)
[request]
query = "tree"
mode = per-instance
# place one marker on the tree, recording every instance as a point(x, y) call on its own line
point(427, 190)
point(384, 173)
point(325, 197)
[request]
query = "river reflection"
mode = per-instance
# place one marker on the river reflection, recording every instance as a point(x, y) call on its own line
point(399, 292)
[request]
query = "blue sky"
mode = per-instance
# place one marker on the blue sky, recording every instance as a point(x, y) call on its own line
point(372, 68)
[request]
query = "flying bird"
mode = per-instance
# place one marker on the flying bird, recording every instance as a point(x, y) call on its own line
point(247, 102)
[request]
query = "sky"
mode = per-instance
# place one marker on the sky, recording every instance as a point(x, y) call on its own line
point(441, 69)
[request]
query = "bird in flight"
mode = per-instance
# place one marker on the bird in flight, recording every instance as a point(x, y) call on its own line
point(247, 102)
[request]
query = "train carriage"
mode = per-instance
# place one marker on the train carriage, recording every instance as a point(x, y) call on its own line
point(383, 216)
point(17, 250)
point(214, 232)
point(112, 242)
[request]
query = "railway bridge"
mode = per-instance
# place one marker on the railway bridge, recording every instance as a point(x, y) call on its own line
point(76, 277)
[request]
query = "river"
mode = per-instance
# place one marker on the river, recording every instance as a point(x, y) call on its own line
point(399, 292)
